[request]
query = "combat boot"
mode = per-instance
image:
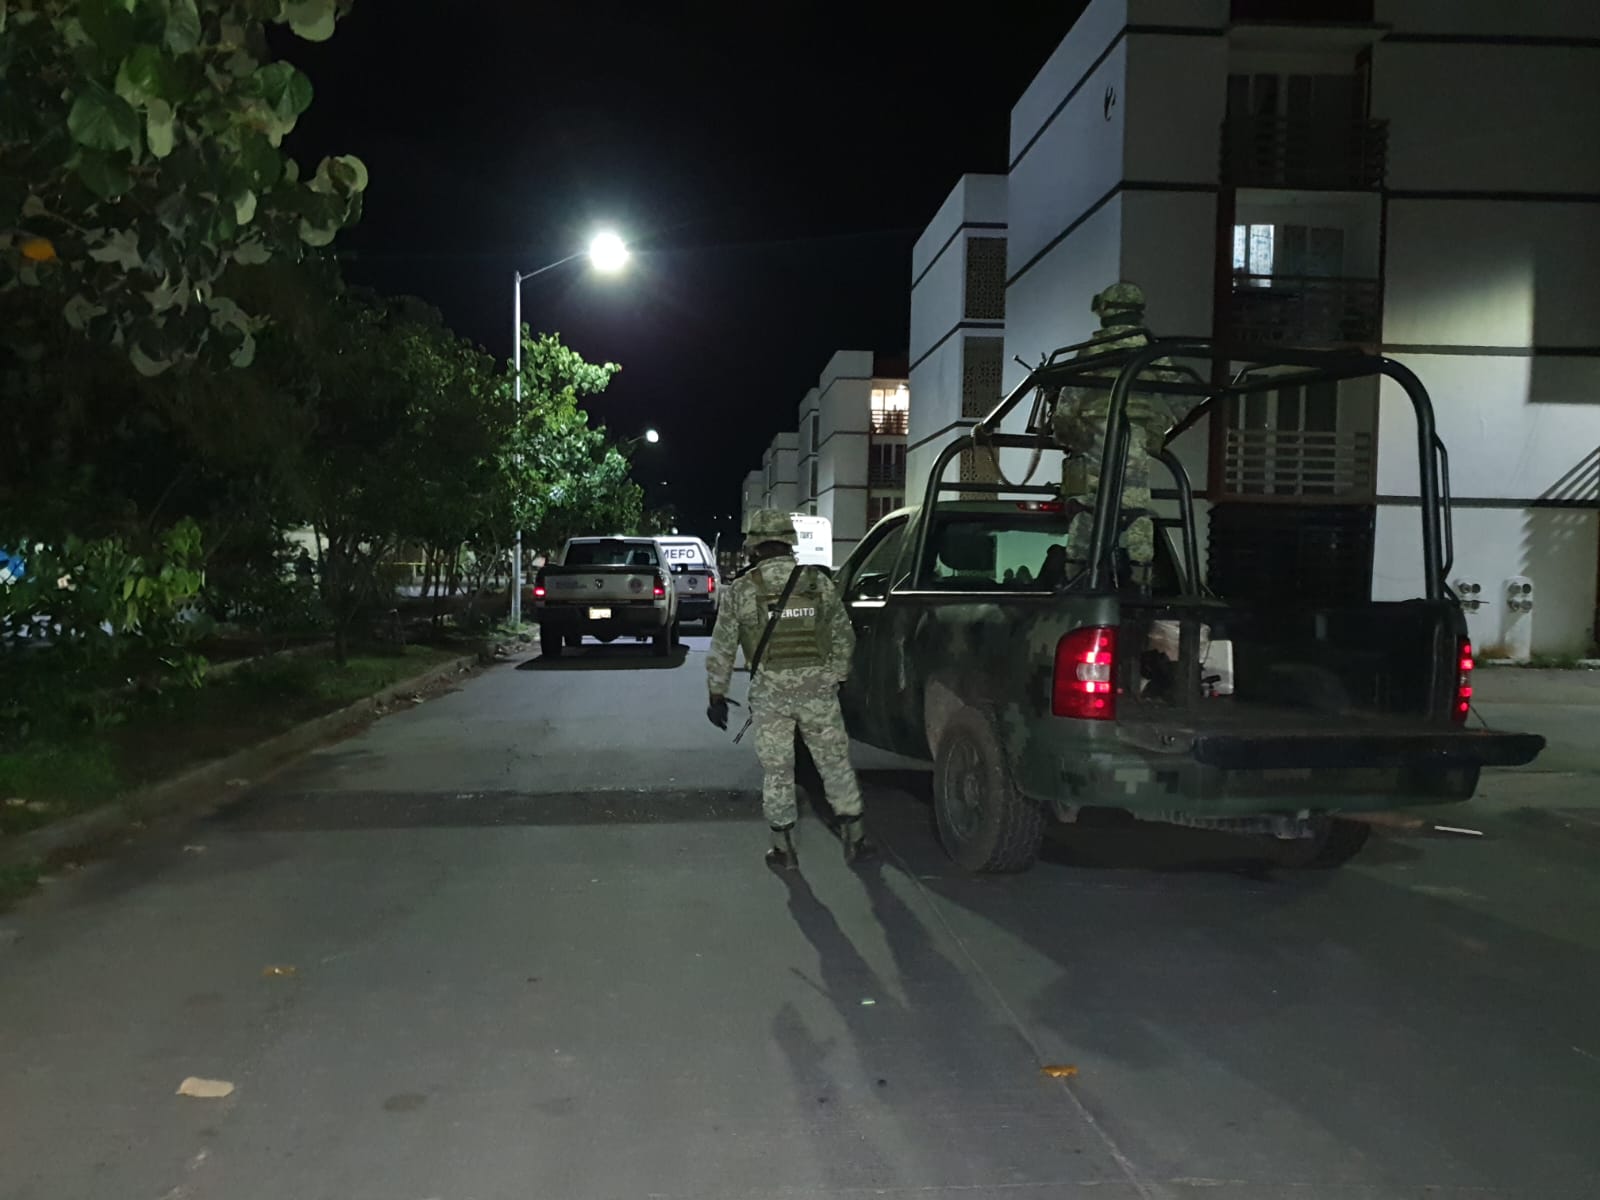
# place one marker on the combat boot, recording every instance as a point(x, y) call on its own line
point(856, 846)
point(782, 853)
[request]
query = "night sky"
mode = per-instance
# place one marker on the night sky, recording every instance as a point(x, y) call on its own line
point(771, 179)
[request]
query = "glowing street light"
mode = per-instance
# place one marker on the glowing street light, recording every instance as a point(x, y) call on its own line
point(608, 253)
point(651, 436)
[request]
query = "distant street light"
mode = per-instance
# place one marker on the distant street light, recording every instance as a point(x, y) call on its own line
point(651, 436)
point(607, 254)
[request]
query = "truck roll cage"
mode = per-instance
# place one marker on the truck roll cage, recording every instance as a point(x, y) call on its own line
point(1249, 370)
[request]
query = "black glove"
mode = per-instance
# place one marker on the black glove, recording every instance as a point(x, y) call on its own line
point(717, 711)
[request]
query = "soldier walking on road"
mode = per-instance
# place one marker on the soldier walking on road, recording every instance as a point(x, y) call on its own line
point(797, 640)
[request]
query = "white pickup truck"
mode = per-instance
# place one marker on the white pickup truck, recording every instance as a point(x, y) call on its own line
point(605, 588)
point(695, 576)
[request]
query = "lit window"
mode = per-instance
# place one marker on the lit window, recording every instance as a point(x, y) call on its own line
point(890, 407)
point(1253, 249)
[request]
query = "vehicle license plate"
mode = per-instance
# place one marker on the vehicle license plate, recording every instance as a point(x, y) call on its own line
point(599, 614)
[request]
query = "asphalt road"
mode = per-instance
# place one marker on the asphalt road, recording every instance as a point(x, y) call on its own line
point(519, 942)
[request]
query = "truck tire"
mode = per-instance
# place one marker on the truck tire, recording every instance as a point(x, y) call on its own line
point(574, 639)
point(550, 641)
point(1335, 843)
point(661, 643)
point(711, 624)
point(985, 823)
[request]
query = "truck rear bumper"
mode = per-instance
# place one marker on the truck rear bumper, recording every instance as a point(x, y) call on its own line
point(1241, 774)
point(696, 608)
point(1462, 748)
point(626, 618)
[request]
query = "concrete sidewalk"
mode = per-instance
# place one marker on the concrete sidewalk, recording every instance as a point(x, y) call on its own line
point(1562, 705)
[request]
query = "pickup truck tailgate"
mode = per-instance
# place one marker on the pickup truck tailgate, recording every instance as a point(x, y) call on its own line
point(597, 585)
point(694, 583)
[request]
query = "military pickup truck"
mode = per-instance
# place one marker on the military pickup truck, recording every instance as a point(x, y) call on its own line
point(1039, 692)
point(605, 588)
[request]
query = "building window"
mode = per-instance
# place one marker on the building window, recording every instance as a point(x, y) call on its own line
point(891, 409)
point(813, 478)
point(880, 505)
point(886, 463)
point(1289, 442)
point(986, 279)
point(816, 430)
point(1300, 251)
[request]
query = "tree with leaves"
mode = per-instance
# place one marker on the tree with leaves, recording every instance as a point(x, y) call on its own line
point(141, 157)
point(564, 478)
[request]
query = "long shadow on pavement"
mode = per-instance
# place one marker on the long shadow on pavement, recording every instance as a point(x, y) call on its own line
point(1381, 1034)
point(942, 1070)
point(609, 657)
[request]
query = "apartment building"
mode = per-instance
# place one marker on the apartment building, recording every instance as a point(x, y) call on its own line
point(779, 473)
point(852, 430)
point(1411, 177)
point(752, 495)
point(958, 308)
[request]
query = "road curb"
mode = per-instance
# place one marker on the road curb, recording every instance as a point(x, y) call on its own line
point(203, 786)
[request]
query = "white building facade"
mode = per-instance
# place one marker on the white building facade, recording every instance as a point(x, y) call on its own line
point(779, 473)
point(852, 431)
point(847, 459)
point(958, 308)
point(752, 495)
point(1420, 178)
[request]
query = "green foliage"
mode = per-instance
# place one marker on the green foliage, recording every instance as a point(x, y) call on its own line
point(90, 617)
point(103, 598)
point(562, 477)
point(140, 159)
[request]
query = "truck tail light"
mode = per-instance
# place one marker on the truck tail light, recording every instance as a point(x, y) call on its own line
point(1083, 686)
point(538, 587)
point(661, 588)
point(711, 585)
point(1464, 666)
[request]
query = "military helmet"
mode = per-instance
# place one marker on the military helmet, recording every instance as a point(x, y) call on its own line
point(771, 525)
point(1119, 298)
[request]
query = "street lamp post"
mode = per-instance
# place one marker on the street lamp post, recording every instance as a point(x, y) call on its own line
point(608, 254)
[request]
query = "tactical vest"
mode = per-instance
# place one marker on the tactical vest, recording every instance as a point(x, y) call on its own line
point(801, 637)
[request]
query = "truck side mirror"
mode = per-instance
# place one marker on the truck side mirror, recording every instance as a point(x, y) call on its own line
point(871, 587)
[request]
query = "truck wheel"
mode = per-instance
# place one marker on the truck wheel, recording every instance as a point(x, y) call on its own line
point(662, 644)
point(550, 643)
point(574, 639)
point(984, 822)
point(711, 624)
point(1335, 842)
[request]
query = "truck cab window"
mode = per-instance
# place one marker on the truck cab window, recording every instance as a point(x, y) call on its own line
point(872, 578)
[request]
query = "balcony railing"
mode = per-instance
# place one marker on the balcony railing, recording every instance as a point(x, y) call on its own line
point(890, 476)
point(1302, 310)
point(1284, 152)
point(1297, 462)
point(892, 421)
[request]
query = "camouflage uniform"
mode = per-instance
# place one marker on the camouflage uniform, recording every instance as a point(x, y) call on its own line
point(797, 683)
point(1080, 421)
